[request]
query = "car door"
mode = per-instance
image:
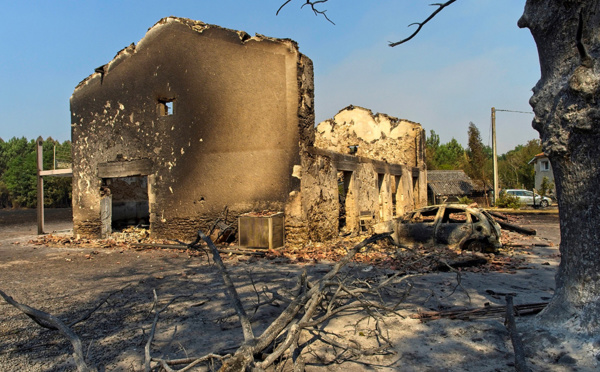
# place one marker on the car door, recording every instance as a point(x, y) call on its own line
point(527, 197)
point(454, 226)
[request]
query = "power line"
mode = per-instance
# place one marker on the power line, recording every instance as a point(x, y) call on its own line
point(518, 112)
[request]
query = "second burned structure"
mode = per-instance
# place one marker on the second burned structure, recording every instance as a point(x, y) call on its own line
point(196, 117)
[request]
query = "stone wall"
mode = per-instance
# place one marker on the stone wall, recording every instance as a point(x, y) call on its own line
point(378, 136)
point(345, 193)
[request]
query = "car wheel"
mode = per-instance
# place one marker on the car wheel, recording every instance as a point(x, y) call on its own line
point(474, 246)
point(544, 203)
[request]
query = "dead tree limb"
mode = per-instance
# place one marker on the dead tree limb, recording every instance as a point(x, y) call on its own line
point(308, 300)
point(89, 313)
point(482, 312)
point(231, 291)
point(147, 356)
point(49, 321)
point(520, 363)
point(516, 228)
point(498, 215)
point(420, 25)
point(313, 5)
point(191, 362)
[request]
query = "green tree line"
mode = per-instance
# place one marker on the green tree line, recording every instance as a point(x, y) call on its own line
point(18, 173)
point(18, 182)
point(514, 170)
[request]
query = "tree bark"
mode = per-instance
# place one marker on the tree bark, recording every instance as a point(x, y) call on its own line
point(567, 116)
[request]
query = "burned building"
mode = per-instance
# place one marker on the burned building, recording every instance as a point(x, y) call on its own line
point(193, 118)
point(374, 166)
point(196, 117)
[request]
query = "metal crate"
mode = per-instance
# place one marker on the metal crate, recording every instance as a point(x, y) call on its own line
point(261, 231)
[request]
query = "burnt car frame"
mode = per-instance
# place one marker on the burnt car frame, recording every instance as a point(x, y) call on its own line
point(454, 225)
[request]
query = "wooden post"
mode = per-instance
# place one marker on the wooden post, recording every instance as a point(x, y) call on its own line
point(494, 156)
point(40, 185)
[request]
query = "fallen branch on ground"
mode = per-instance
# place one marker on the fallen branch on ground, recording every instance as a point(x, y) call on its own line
point(516, 228)
point(249, 252)
point(309, 305)
point(461, 264)
point(49, 321)
point(483, 312)
point(147, 356)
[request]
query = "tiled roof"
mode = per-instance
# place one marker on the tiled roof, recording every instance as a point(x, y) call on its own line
point(452, 182)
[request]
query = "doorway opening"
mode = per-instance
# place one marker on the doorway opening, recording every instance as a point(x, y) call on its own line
point(416, 196)
point(343, 178)
point(394, 190)
point(382, 195)
point(129, 204)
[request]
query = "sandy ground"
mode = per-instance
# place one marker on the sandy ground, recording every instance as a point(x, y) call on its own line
point(69, 281)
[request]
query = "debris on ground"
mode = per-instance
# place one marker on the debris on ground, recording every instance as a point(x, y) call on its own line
point(383, 254)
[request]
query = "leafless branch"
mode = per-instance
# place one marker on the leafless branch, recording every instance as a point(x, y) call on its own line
point(147, 356)
point(231, 291)
point(287, 324)
point(87, 315)
point(51, 322)
point(420, 25)
point(313, 5)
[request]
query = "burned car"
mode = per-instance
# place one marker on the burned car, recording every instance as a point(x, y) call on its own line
point(455, 225)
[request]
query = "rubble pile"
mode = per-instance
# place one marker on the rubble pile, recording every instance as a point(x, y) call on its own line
point(382, 254)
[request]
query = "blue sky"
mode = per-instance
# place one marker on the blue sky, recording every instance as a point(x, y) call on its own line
point(471, 57)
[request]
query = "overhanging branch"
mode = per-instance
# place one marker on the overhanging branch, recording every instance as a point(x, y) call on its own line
point(440, 6)
point(313, 5)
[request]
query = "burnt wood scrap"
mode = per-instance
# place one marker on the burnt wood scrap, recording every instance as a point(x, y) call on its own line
point(491, 311)
point(498, 215)
point(461, 264)
point(502, 221)
point(520, 363)
point(516, 228)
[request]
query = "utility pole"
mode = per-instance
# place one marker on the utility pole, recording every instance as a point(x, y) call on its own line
point(40, 184)
point(494, 148)
point(494, 154)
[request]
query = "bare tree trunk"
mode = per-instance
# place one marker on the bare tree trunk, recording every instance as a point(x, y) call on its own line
point(567, 115)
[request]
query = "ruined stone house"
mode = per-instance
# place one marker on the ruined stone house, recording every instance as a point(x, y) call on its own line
point(378, 163)
point(196, 117)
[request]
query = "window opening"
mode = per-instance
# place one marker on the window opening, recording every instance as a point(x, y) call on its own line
point(545, 165)
point(423, 216)
point(454, 216)
point(166, 107)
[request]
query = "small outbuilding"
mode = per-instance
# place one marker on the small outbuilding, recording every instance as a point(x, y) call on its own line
point(447, 186)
